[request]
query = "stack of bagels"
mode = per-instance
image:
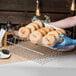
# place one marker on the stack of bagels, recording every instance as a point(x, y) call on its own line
point(36, 32)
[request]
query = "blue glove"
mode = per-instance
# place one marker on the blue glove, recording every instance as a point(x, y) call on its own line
point(66, 42)
point(35, 18)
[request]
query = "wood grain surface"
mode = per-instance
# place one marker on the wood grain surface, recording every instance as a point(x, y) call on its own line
point(26, 5)
point(19, 53)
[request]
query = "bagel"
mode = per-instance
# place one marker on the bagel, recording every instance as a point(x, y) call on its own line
point(31, 26)
point(35, 37)
point(39, 23)
point(36, 26)
point(51, 28)
point(61, 31)
point(41, 32)
point(54, 33)
point(52, 37)
point(48, 29)
point(48, 40)
point(24, 32)
point(45, 30)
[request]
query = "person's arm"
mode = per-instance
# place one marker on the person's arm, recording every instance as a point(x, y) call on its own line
point(65, 23)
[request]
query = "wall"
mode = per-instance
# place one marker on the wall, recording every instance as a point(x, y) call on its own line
point(21, 11)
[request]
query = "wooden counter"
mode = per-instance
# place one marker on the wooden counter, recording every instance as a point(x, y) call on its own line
point(19, 53)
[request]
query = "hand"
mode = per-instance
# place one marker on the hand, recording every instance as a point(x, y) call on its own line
point(35, 18)
point(49, 24)
point(66, 42)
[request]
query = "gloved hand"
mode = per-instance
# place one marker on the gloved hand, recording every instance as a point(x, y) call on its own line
point(35, 18)
point(66, 42)
point(45, 20)
point(49, 24)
